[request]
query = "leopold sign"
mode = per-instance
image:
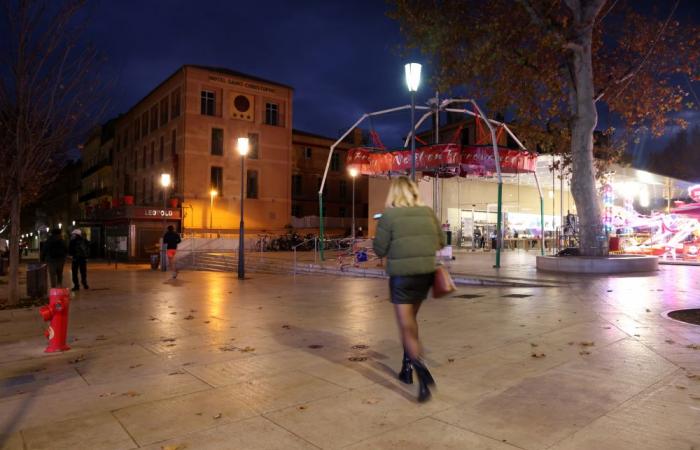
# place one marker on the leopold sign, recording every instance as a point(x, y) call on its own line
point(155, 213)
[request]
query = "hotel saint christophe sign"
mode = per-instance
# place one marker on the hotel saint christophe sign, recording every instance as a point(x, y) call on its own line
point(243, 105)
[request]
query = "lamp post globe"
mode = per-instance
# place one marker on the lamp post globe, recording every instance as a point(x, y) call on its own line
point(213, 193)
point(353, 173)
point(242, 146)
point(412, 71)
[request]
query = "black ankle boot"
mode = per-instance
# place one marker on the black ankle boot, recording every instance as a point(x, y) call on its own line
point(425, 380)
point(406, 372)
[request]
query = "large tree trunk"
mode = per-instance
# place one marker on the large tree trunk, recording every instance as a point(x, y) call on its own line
point(585, 118)
point(15, 214)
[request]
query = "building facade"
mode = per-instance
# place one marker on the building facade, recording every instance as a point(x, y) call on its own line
point(187, 127)
point(310, 155)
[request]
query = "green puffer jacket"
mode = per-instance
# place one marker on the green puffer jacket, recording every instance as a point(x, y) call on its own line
point(409, 238)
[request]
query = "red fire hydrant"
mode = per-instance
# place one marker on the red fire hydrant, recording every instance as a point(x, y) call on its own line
point(57, 313)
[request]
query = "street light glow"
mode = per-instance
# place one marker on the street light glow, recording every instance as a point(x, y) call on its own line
point(242, 146)
point(353, 172)
point(60, 225)
point(412, 76)
point(165, 179)
point(213, 193)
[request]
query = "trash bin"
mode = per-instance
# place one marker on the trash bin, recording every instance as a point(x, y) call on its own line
point(155, 261)
point(36, 280)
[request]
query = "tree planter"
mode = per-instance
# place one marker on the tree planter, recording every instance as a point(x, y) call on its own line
point(600, 265)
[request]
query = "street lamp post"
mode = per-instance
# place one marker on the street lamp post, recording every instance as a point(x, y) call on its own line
point(353, 173)
point(165, 183)
point(242, 146)
point(412, 71)
point(212, 194)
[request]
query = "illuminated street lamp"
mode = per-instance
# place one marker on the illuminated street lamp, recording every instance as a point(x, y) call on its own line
point(60, 226)
point(74, 223)
point(242, 145)
point(212, 194)
point(165, 183)
point(353, 173)
point(412, 82)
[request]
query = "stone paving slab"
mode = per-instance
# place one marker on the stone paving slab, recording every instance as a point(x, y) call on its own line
point(309, 362)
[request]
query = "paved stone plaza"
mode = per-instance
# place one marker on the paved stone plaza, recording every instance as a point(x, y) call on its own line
point(276, 362)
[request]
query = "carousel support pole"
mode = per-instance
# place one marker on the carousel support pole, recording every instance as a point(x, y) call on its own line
point(539, 190)
point(320, 223)
point(499, 225)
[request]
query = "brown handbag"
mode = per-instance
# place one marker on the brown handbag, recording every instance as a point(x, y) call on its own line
point(443, 283)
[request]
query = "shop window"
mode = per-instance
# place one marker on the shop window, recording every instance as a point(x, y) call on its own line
point(271, 113)
point(175, 103)
point(217, 141)
point(335, 162)
point(164, 110)
point(217, 180)
point(296, 185)
point(254, 145)
point(208, 103)
point(307, 153)
point(252, 184)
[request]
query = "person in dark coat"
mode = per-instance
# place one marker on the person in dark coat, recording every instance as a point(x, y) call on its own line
point(53, 253)
point(79, 250)
point(171, 238)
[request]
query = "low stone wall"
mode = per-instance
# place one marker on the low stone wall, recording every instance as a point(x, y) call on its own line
point(598, 265)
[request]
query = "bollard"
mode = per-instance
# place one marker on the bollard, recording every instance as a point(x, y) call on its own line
point(57, 313)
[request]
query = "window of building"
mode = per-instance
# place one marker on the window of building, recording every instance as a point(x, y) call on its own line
point(125, 141)
point(254, 145)
point(296, 210)
point(143, 190)
point(208, 103)
point(152, 197)
point(335, 162)
point(307, 153)
point(217, 180)
point(296, 185)
point(137, 130)
point(161, 148)
point(342, 212)
point(154, 118)
point(343, 188)
point(173, 143)
point(271, 113)
point(164, 110)
point(252, 184)
point(217, 141)
point(153, 152)
point(136, 160)
point(144, 124)
point(175, 103)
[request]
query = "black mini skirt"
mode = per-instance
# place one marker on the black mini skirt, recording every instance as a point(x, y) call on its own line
point(410, 289)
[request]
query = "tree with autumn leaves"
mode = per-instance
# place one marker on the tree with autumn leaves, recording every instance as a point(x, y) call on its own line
point(551, 64)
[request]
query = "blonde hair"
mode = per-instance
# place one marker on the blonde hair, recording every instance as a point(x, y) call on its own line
point(403, 193)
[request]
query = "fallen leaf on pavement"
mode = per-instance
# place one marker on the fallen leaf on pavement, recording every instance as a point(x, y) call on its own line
point(207, 321)
point(301, 408)
point(680, 387)
point(670, 341)
point(135, 366)
point(286, 327)
point(167, 340)
point(537, 355)
point(370, 401)
point(152, 318)
point(648, 310)
point(584, 352)
point(247, 349)
point(450, 360)
point(694, 397)
point(130, 394)
point(693, 346)
point(77, 360)
point(533, 345)
point(177, 372)
point(107, 394)
point(189, 317)
point(587, 344)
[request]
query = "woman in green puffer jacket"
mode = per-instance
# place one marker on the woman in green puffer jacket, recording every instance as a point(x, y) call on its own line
point(408, 235)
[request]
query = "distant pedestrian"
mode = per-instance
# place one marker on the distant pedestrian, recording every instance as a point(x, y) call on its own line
point(53, 252)
point(409, 234)
point(79, 250)
point(171, 238)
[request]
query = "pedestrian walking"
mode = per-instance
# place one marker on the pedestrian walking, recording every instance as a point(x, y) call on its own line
point(409, 234)
point(79, 250)
point(171, 238)
point(53, 252)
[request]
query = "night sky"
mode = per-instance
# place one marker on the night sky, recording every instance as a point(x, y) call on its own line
point(343, 58)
